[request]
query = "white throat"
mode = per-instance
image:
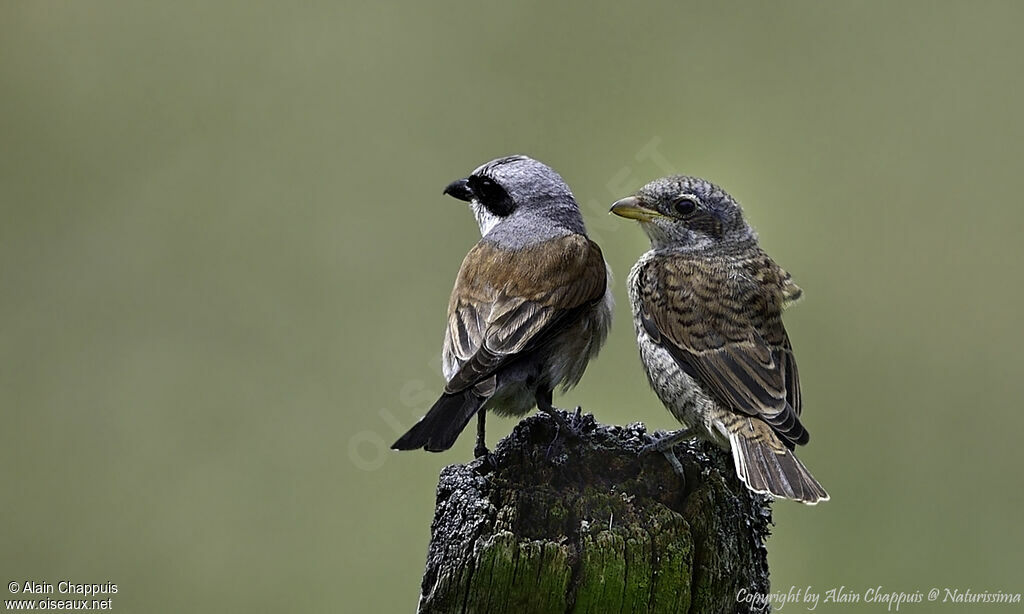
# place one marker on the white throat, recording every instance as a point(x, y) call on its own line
point(484, 218)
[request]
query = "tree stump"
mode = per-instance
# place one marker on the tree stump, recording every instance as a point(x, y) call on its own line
point(588, 524)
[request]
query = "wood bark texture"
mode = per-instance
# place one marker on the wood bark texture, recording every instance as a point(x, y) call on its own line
point(589, 524)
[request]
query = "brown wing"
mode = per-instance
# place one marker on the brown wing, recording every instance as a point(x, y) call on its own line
point(722, 322)
point(506, 303)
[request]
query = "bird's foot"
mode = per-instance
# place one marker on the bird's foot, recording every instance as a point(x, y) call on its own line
point(569, 423)
point(480, 451)
point(665, 445)
point(488, 462)
point(661, 443)
point(677, 466)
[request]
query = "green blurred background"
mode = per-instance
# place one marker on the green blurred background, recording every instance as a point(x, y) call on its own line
point(225, 261)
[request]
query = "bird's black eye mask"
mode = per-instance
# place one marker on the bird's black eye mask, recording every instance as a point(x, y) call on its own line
point(491, 195)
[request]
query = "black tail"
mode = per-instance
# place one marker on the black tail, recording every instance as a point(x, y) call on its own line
point(438, 430)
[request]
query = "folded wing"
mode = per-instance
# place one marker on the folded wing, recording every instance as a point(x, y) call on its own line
point(724, 328)
point(507, 303)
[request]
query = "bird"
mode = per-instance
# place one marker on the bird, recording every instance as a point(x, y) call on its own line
point(707, 306)
point(531, 306)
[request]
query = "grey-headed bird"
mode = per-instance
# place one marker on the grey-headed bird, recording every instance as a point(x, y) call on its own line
point(531, 304)
point(707, 305)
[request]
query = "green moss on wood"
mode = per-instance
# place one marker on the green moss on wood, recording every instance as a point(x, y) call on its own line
point(592, 526)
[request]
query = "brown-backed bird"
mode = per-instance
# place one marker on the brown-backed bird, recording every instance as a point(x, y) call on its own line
point(707, 304)
point(531, 304)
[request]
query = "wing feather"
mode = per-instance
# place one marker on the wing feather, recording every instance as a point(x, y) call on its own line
point(722, 322)
point(506, 303)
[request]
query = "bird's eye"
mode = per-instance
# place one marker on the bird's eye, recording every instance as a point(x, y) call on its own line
point(488, 190)
point(491, 195)
point(685, 205)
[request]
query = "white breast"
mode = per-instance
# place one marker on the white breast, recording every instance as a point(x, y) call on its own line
point(679, 392)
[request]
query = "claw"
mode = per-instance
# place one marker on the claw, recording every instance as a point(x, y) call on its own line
point(667, 441)
point(551, 445)
point(670, 456)
point(571, 425)
point(664, 444)
point(488, 462)
point(568, 424)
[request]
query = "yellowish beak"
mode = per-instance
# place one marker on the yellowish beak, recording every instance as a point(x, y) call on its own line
point(631, 208)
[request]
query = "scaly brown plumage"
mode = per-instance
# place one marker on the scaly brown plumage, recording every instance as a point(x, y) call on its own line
point(707, 304)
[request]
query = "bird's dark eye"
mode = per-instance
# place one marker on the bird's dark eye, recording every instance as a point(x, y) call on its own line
point(487, 187)
point(491, 195)
point(685, 205)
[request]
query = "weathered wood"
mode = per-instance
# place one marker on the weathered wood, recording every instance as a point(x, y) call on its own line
point(590, 525)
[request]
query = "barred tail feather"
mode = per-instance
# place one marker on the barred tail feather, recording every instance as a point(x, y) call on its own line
point(780, 474)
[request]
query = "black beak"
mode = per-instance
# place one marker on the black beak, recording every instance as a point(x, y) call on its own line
point(460, 189)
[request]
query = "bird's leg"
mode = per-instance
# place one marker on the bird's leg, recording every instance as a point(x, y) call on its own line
point(544, 404)
point(480, 450)
point(669, 440)
point(665, 443)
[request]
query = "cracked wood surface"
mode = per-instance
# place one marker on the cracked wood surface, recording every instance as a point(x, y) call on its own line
point(590, 525)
